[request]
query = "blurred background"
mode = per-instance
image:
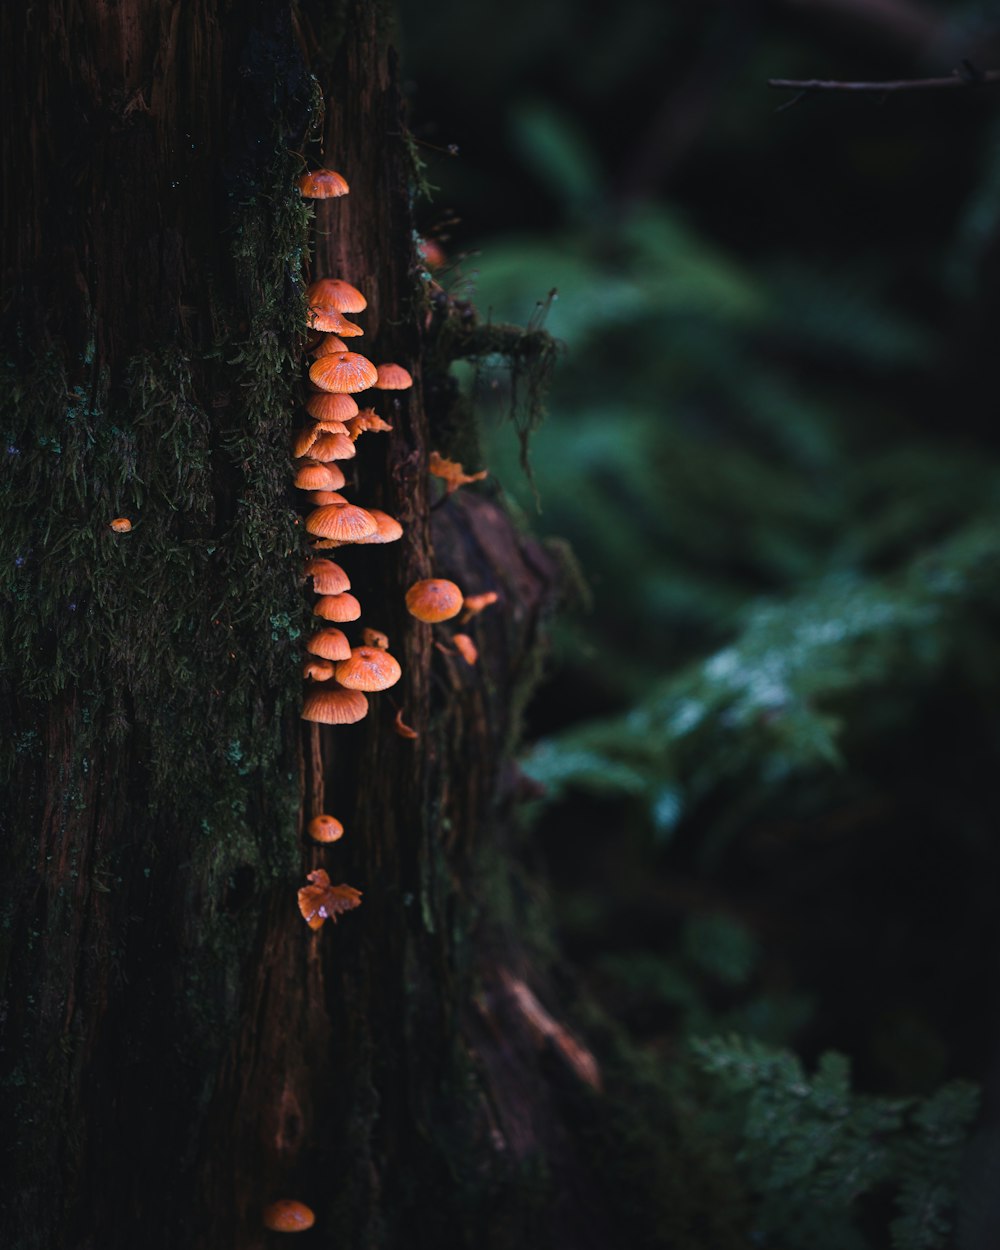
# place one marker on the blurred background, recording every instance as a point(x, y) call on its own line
point(766, 745)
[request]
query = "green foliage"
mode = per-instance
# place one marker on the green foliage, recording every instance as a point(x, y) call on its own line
point(813, 1149)
point(844, 659)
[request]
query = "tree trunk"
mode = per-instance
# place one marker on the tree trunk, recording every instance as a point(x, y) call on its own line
point(177, 1046)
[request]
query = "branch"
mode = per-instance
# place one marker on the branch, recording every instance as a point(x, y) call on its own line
point(966, 77)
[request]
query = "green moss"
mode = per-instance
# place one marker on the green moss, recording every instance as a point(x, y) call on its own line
point(176, 643)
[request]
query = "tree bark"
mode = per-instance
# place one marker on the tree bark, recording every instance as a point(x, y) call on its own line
point(176, 1046)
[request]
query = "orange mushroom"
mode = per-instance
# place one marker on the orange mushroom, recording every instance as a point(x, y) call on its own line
point(322, 184)
point(466, 648)
point(320, 498)
point(322, 901)
point(328, 319)
point(333, 705)
point(325, 828)
point(342, 607)
point(330, 643)
point(317, 670)
point(393, 377)
point(336, 293)
point(332, 447)
point(120, 525)
point(434, 599)
point(375, 638)
point(342, 521)
point(288, 1216)
point(328, 345)
point(368, 420)
point(312, 475)
point(389, 529)
point(331, 406)
point(474, 604)
point(369, 669)
point(328, 578)
point(345, 372)
point(452, 472)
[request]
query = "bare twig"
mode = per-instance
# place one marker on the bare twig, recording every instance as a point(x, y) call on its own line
point(966, 77)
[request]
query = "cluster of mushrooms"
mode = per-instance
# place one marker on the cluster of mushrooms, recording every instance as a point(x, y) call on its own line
point(339, 676)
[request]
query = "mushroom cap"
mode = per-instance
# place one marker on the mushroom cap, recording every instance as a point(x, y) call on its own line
point(322, 184)
point(329, 319)
point(369, 668)
point(342, 607)
point(325, 828)
point(328, 577)
point(288, 1216)
point(434, 599)
point(330, 644)
point(333, 705)
point(375, 638)
point(345, 372)
point(332, 447)
point(320, 900)
point(331, 427)
point(393, 377)
point(466, 648)
point(331, 406)
point(320, 498)
point(336, 479)
point(336, 293)
point(317, 670)
point(343, 521)
point(452, 472)
point(389, 529)
point(366, 421)
point(315, 476)
point(303, 439)
point(474, 604)
point(327, 345)
point(120, 525)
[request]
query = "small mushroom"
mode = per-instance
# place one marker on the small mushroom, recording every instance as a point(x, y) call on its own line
point(322, 184)
point(331, 406)
point(328, 345)
point(389, 529)
point(345, 372)
point(329, 447)
point(392, 377)
point(342, 521)
point(333, 705)
point(317, 670)
point(369, 669)
point(120, 525)
point(472, 605)
point(288, 1216)
point(331, 321)
point(375, 638)
point(336, 293)
point(402, 728)
point(434, 599)
point(466, 648)
point(313, 475)
point(368, 420)
point(342, 607)
point(330, 643)
point(328, 578)
point(325, 828)
point(453, 473)
point(322, 901)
